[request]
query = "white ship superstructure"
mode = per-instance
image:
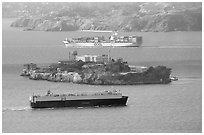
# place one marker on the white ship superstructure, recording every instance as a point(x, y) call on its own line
point(113, 41)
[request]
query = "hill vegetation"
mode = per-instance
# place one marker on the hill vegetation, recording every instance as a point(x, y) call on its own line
point(137, 16)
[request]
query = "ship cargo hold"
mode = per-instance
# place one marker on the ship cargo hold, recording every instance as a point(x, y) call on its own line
point(106, 98)
point(99, 41)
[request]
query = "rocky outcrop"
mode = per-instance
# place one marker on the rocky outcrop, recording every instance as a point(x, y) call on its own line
point(154, 75)
point(114, 73)
point(57, 77)
point(151, 16)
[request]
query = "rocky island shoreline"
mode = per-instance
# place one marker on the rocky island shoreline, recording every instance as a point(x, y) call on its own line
point(103, 71)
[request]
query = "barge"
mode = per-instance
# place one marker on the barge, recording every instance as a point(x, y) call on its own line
point(105, 98)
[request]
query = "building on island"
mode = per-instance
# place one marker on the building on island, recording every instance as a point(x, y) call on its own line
point(94, 58)
point(138, 69)
point(73, 57)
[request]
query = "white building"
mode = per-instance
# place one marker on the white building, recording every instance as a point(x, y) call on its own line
point(138, 69)
point(93, 58)
point(87, 58)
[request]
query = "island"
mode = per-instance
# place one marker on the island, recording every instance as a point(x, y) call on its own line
point(98, 70)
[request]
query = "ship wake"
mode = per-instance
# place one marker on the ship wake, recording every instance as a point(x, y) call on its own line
point(16, 109)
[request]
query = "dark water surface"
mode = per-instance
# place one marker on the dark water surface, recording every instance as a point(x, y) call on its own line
point(176, 107)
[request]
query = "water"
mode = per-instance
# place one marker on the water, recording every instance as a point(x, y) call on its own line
point(176, 107)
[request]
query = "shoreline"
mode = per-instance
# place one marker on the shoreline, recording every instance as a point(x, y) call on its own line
point(97, 31)
point(115, 72)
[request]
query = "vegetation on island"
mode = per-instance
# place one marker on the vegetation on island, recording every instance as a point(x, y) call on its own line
point(116, 72)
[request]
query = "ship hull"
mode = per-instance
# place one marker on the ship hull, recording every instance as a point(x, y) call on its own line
point(101, 45)
point(80, 103)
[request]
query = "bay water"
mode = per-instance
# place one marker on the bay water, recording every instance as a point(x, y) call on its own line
point(174, 107)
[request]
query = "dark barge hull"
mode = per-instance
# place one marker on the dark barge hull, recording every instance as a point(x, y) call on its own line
point(80, 103)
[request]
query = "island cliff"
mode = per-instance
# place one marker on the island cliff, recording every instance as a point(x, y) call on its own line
point(116, 72)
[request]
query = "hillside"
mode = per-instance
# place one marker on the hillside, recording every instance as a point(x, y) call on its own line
point(106, 16)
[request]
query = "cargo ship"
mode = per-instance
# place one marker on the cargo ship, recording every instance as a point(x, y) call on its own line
point(99, 41)
point(105, 98)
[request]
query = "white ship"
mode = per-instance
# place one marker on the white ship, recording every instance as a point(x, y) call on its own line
point(113, 41)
